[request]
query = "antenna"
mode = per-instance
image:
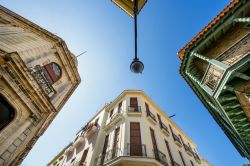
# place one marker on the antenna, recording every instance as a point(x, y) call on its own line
point(81, 54)
point(171, 116)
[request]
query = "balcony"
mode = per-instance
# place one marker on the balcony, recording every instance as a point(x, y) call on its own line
point(134, 111)
point(197, 158)
point(236, 52)
point(188, 150)
point(117, 117)
point(212, 77)
point(91, 130)
point(164, 129)
point(79, 142)
point(109, 156)
point(69, 152)
point(151, 117)
point(133, 154)
point(177, 140)
point(112, 154)
point(161, 157)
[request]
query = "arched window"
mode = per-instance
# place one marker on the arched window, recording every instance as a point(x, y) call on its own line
point(52, 72)
point(7, 112)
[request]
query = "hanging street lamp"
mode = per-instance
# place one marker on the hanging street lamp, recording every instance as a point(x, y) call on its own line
point(133, 7)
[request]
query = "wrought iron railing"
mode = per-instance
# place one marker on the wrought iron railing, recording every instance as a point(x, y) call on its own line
point(137, 150)
point(212, 77)
point(238, 51)
point(196, 156)
point(187, 148)
point(40, 77)
point(79, 163)
point(115, 116)
point(134, 108)
point(161, 157)
point(231, 56)
point(151, 115)
point(177, 139)
point(112, 154)
point(133, 150)
point(164, 127)
point(84, 128)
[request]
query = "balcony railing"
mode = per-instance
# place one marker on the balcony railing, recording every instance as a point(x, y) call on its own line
point(78, 163)
point(164, 128)
point(132, 150)
point(79, 141)
point(69, 152)
point(177, 140)
point(232, 55)
point(134, 109)
point(188, 149)
point(151, 115)
point(161, 157)
point(40, 76)
point(237, 52)
point(112, 154)
point(115, 116)
point(212, 77)
point(136, 150)
point(197, 158)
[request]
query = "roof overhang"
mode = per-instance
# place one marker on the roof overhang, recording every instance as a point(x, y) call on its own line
point(128, 5)
point(202, 34)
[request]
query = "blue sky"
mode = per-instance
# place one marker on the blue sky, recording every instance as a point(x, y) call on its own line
point(106, 33)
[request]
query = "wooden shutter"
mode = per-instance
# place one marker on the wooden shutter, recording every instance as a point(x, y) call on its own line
point(105, 146)
point(172, 132)
point(96, 122)
point(147, 109)
point(169, 152)
point(84, 156)
point(120, 106)
point(135, 139)
point(159, 118)
point(111, 112)
point(134, 103)
point(116, 141)
point(182, 159)
point(154, 144)
point(181, 139)
point(191, 162)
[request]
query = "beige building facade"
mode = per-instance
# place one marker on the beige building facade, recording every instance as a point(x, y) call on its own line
point(37, 75)
point(130, 131)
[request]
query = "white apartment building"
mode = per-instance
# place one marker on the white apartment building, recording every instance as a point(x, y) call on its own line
point(130, 131)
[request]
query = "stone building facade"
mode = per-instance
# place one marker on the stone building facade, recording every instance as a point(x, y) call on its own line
point(216, 65)
point(37, 75)
point(131, 130)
